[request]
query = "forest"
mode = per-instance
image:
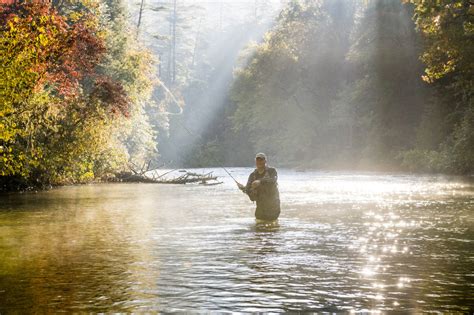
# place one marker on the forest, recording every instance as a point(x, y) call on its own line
point(89, 88)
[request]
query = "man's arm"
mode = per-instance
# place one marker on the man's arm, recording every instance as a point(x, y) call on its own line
point(271, 177)
point(248, 188)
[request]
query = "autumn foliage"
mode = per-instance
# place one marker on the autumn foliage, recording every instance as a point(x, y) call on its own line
point(52, 84)
point(59, 52)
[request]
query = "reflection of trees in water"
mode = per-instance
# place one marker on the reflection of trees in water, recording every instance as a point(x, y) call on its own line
point(77, 258)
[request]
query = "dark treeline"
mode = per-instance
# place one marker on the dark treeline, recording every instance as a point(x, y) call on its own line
point(355, 85)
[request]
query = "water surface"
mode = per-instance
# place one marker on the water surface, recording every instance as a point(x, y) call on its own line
point(343, 242)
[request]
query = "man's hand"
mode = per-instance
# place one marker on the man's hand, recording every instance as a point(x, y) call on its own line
point(241, 187)
point(255, 184)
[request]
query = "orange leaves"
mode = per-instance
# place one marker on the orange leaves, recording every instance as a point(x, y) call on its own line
point(59, 52)
point(110, 92)
point(50, 63)
point(32, 40)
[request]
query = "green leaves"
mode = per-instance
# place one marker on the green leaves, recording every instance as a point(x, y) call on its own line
point(59, 99)
point(448, 28)
point(324, 92)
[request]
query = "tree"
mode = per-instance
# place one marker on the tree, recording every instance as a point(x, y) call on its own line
point(284, 94)
point(448, 29)
point(62, 95)
point(386, 95)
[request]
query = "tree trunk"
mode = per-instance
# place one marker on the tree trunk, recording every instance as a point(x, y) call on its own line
point(140, 13)
point(173, 78)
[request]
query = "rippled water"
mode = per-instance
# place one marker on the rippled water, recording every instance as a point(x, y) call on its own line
point(343, 242)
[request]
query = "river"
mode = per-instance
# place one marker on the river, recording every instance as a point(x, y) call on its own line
point(344, 242)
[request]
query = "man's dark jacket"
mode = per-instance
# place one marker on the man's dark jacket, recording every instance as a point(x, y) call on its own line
point(266, 195)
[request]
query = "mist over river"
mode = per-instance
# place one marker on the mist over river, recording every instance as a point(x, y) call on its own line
point(344, 241)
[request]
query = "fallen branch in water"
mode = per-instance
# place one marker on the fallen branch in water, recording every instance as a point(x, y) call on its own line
point(140, 176)
point(189, 177)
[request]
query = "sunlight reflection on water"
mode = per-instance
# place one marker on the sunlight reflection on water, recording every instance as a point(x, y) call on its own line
point(344, 242)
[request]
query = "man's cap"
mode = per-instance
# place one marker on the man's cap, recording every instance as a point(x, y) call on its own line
point(261, 155)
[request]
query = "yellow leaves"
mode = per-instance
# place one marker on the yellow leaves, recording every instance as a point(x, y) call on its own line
point(44, 19)
point(12, 163)
point(102, 34)
point(426, 78)
point(39, 129)
point(87, 176)
point(75, 16)
point(43, 40)
point(11, 26)
point(91, 23)
point(469, 27)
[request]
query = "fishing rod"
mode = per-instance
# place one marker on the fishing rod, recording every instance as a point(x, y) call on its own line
point(230, 174)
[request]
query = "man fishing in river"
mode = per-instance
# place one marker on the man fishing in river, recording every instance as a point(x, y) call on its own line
point(262, 187)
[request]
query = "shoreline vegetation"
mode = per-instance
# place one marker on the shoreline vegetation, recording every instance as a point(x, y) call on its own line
point(75, 90)
point(382, 85)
